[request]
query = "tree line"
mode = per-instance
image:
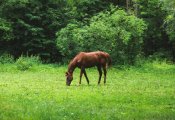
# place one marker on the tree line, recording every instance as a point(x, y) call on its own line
point(56, 30)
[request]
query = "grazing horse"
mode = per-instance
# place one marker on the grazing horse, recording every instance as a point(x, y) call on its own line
point(86, 60)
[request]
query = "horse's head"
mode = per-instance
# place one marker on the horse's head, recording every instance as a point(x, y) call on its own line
point(69, 78)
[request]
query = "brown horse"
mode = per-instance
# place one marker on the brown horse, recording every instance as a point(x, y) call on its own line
point(86, 60)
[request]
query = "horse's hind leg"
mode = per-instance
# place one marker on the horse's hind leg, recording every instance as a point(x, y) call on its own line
point(86, 77)
point(81, 73)
point(104, 69)
point(100, 73)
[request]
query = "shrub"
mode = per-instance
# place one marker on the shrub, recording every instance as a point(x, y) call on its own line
point(25, 63)
point(6, 58)
point(112, 31)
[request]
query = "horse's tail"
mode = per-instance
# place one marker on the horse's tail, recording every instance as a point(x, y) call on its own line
point(108, 60)
point(107, 57)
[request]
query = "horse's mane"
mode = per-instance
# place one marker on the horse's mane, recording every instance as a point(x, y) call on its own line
point(72, 62)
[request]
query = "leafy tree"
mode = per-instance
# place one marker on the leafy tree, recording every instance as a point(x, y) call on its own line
point(33, 23)
point(112, 31)
point(29, 27)
point(156, 39)
point(169, 6)
point(6, 35)
point(5, 30)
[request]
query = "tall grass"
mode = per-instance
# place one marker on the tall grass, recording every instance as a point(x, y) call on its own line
point(145, 92)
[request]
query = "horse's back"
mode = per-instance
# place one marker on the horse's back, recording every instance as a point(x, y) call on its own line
point(102, 58)
point(90, 59)
point(91, 55)
point(87, 59)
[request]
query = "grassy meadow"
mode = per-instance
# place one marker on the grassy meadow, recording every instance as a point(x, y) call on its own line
point(140, 93)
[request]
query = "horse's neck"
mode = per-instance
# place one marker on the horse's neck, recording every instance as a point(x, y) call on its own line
point(71, 67)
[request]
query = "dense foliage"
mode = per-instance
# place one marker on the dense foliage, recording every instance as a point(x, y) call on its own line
point(56, 30)
point(112, 31)
point(170, 23)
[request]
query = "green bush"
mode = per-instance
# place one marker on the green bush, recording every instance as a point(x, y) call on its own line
point(6, 58)
point(25, 63)
point(112, 31)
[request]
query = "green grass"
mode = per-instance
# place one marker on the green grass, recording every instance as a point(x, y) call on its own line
point(146, 92)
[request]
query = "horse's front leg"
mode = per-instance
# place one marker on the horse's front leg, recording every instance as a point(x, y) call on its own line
point(86, 77)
